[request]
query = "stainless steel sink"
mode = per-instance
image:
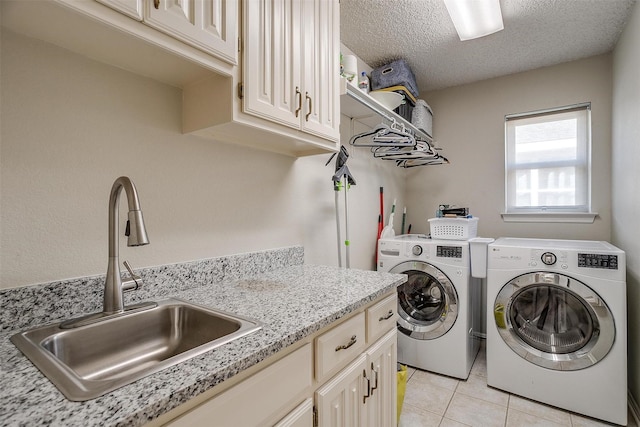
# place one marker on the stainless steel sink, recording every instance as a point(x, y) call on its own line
point(88, 361)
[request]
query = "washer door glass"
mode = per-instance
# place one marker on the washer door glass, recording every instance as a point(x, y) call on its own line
point(554, 321)
point(427, 301)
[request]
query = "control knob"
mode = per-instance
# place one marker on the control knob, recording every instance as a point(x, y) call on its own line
point(548, 258)
point(417, 250)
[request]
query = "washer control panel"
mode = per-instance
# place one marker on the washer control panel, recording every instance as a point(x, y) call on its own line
point(449, 251)
point(400, 249)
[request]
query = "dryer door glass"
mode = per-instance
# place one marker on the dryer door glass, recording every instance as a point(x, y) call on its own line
point(554, 321)
point(427, 301)
point(551, 319)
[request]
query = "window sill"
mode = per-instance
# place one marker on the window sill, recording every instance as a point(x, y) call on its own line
point(566, 217)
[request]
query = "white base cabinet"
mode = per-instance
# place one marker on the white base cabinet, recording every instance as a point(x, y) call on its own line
point(364, 393)
point(340, 401)
point(302, 416)
point(344, 375)
point(382, 360)
point(254, 401)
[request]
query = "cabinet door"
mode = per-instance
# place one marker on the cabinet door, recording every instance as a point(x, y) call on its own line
point(340, 401)
point(302, 416)
point(210, 25)
point(257, 398)
point(321, 73)
point(271, 68)
point(381, 405)
point(133, 8)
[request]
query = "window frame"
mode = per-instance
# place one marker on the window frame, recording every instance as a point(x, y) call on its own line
point(580, 212)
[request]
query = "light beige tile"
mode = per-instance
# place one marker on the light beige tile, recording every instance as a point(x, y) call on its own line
point(423, 394)
point(516, 418)
point(435, 379)
point(410, 372)
point(479, 366)
point(540, 410)
point(476, 412)
point(476, 386)
point(412, 416)
point(446, 422)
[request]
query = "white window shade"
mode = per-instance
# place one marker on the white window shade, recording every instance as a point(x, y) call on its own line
point(548, 161)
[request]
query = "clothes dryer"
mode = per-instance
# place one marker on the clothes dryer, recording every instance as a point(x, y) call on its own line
point(557, 324)
point(437, 305)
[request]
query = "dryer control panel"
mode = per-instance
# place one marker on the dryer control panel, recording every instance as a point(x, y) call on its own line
point(592, 260)
point(606, 261)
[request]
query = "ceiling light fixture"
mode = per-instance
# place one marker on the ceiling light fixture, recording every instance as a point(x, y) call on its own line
point(475, 18)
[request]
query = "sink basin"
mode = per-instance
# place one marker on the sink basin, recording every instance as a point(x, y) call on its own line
point(88, 361)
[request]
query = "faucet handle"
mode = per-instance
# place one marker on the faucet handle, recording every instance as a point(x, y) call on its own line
point(134, 283)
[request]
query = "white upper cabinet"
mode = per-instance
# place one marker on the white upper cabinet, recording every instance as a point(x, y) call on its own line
point(133, 8)
point(271, 67)
point(291, 64)
point(321, 59)
point(210, 25)
point(281, 95)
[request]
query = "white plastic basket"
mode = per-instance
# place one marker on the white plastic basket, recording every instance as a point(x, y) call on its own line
point(453, 228)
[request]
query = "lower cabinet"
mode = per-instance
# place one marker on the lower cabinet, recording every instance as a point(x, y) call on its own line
point(302, 416)
point(342, 376)
point(382, 361)
point(340, 401)
point(363, 393)
point(254, 401)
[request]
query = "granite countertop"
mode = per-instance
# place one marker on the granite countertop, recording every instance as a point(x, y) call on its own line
point(293, 302)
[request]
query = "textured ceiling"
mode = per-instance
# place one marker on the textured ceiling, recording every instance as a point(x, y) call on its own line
point(537, 33)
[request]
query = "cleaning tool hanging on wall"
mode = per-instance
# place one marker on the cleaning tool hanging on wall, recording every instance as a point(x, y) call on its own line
point(388, 232)
point(380, 221)
point(342, 178)
point(404, 218)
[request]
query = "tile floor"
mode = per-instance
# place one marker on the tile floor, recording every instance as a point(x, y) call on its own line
point(436, 400)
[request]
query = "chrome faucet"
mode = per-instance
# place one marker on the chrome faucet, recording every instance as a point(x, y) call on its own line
point(113, 305)
point(137, 236)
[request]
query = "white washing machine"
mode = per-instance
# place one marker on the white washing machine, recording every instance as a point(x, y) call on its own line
point(557, 324)
point(436, 305)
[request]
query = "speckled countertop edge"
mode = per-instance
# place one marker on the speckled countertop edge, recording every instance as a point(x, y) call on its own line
point(293, 302)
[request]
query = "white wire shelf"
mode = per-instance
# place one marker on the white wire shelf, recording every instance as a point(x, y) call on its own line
point(360, 106)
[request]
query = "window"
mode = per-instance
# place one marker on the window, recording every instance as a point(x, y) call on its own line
point(548, 161)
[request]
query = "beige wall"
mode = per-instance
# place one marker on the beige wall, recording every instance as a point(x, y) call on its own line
point(469, 126)
point(71, 126)
point(625, 178)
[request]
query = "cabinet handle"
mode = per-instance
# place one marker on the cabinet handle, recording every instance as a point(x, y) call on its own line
point(299, 101)
point(351, 342)
point(376, 382)
point(306, 94)
point(388, 316)
point(156, 4)
point(364, 375)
